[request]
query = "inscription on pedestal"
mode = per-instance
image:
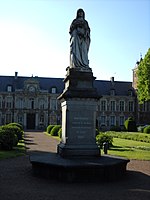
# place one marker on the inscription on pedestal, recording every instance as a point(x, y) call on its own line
point(80, 126)
point(79, 118)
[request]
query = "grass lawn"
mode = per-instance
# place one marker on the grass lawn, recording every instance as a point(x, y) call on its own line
point(19, 150)
point(130, 149)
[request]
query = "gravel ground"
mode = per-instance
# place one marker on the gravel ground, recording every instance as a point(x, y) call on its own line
point(17, 181)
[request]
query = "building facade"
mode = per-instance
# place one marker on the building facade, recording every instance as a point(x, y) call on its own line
point(32, 102)
point(118, 102)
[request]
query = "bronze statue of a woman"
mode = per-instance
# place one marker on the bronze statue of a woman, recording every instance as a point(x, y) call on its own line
point(79, 41)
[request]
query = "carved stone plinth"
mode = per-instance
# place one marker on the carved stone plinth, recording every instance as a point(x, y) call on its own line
point(79, 105)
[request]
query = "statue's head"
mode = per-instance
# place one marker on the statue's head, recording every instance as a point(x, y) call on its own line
point(80, 13)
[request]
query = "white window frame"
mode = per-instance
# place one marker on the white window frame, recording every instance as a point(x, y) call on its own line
point(121, 120)
point(103, 105)
point(9, 88)
point(131, 105)
point(41, 104)
point(53, 90)
point(121, 106)
point(112, 120)
point(112, 105)
point(9, 102)
point(53, 104)
point(103, 120)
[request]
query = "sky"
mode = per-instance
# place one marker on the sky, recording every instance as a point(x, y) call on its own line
point(34, 36)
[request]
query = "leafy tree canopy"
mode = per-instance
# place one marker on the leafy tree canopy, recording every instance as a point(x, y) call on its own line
point(143, 83)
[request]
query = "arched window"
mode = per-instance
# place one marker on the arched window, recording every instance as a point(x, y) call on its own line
point(9, 102)
point(131, 106)
point(103, 105)
point(121, 106)
point(41, 119)
point(112, 105)
point(41, 104)
point(19, 103)
point(121, 120)
point(8, 117)
point(53, 104)
point(20, 118)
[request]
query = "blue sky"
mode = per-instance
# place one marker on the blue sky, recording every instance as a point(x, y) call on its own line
point(34, 36)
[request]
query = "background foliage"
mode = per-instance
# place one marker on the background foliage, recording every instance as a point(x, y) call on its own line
point(143, 83)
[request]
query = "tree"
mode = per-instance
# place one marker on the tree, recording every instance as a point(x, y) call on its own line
point(143, 82)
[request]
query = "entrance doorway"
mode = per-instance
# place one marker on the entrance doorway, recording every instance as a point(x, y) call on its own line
point(30, 121)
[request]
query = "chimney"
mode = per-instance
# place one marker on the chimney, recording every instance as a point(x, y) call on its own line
point(16, 75)
point(112, 79)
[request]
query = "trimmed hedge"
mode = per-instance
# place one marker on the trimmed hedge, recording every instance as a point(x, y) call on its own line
point(55, 130)
point(49, 128)
point(130, 125)
point(146, 129)
point(16, 124)
point(10, 135)
point(7, 139)
point(141, 137)
point(14, 129)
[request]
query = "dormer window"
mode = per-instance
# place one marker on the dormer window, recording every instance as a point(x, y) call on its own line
point(53, 90)
point(9, 88)
point(112, 92)
point(130, 93)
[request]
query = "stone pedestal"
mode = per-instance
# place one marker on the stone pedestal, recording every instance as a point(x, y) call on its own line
point(78, 156)
point(79, 105)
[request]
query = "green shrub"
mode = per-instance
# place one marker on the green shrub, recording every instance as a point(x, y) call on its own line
point(115, 128)
point(14, 129)
point(55, 129)
point(147, 129)
point(49, 128)
point(7, 139)
point(104, 137)
point(130, 136)
point(60, 133)
point(16, 124)
point(130, 125)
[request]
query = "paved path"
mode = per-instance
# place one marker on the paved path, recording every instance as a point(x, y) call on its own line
point(17, 181)
point(39, 141)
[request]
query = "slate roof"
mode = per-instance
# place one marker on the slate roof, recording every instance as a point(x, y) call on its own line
point(121, 88)
point(103, 87)
point(44, 83)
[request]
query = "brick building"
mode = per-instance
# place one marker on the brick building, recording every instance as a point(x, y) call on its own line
point(32, 101)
